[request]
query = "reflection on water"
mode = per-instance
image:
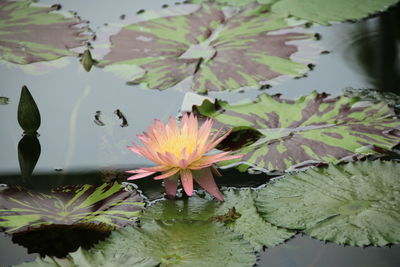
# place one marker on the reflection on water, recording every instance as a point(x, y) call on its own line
point(375, 50)
point(304, 251)
point(46, 241)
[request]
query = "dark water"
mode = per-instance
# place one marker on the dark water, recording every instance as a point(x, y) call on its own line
point(75, 150)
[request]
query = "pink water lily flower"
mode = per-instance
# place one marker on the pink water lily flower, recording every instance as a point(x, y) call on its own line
point(181, 152)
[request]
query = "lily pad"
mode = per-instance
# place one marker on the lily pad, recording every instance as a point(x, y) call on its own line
point(169, 243)
point(202, 47)
point(32, 33)
point(105, 206)
point(237, 3)
point(238, 213)
point(312, 130)
point(356, 203)
point(326, 11)
point(319, 11)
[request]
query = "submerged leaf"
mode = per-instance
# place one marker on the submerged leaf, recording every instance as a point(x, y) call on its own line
point(326, 11)
point(169, 243)
point(238, 213)
point(108, 205)
point(356, 203)
point(28, 112)
point(312, 130)
point(31, 33)
point(215, 49)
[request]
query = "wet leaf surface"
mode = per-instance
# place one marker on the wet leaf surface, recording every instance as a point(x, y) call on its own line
point(238, 212)
point(203, 46)
point(105, 206)
point(326, 11)
point(31, 33)
point(356, 204)
point(169, 243)
point(312, 130)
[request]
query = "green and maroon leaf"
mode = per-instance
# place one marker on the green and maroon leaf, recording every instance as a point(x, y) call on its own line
point(203, 46)
point(108, 205)
point(31, 33)
point(312, 130)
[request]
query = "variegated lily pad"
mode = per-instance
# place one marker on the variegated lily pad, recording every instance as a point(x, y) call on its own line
point(319, 11)
point(210, 48)
point(31, 33)
point(311, 130)
point(326, 11)
point(108, 205)
point(238, 212)
point(356, 203)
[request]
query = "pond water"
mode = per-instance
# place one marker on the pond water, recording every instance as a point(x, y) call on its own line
point(76, 150)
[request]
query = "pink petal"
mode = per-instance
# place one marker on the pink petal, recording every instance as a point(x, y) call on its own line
point(213, 143)
point(158, 168)
point(187, 181)
point(215, 171)
point(205, 179)
point(171, 185)
point(167, 174)
point(140, 175)
point(183, 164)
point(172, 127)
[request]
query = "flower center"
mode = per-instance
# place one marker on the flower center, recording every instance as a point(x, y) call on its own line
point(176, 145)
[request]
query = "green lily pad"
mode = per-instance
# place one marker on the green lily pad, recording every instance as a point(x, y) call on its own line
point(238, 213)
point(105, 206)
point(319, 11)
point(32, 33)
point(326, 11)
point(356, 203)
point(201, 45)
point(311, 130)
point(169, 243)
point(47, 262)
point(237, 3)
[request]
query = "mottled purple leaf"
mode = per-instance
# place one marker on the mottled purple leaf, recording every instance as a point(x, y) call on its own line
point(215, 49)
point(30, 33)
point(312, 130)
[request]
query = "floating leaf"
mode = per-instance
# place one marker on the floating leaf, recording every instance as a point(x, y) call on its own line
point(28, 112)
point(326, 11)
point(356, 203)
point(32, 33)
point(169, 243)
point(204, 45)
point(237, 3)
point(4, 100)
point(47, 262)
point(311, 130)
point(238, 212)
point(28, 154)
point(107, 205)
